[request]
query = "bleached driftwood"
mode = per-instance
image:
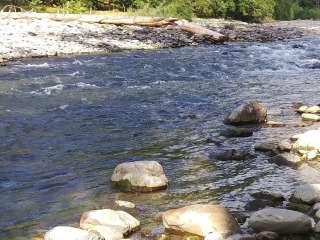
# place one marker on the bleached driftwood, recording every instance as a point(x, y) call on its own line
point(199, 30)
point(103, 19)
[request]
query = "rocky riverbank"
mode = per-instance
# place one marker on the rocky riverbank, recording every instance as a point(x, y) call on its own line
point(272, 215)
point(22, 38)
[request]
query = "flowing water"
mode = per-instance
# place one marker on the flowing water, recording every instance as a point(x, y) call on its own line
point(67, 122)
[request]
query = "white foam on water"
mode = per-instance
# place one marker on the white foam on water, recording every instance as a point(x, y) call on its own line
point(158, 82)
point(77, 62)
point(139, 87)
point(49, 90)
point(63, 107)
point(76, 73)
point(86, 85)
point(43, 65)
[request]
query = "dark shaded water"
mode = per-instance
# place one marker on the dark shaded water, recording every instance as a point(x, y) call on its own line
point(67, 122)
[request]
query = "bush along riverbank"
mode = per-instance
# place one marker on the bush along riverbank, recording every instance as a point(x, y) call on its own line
point(41, 35)
point(272, 216)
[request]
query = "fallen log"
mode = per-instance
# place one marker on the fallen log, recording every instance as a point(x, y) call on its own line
point(87, 18)
point(199, 30)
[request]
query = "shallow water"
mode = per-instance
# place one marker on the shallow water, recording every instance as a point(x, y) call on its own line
point(67, 122)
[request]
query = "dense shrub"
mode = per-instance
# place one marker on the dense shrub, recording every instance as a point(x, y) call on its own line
point(248, 10)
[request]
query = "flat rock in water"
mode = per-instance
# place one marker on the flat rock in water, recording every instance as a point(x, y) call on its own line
point(141, 176)
point(310, 117)
point(287, 159)
point(274, 124)
point(231, 155)
point(237, 132)
point(249, 113)
point(308, 193)
point(108, 223)
point(69, 233)
point(309, 109)
point(281, 221)
point(269, 147)
point(201, 220)
point(272, 196)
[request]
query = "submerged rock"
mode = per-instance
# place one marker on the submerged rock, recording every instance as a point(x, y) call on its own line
point(274, 124)
point(232, 155)
point(271, 147)
point(109, 224)
point(274, 147)
point(309, 193)
point(287, 159)
point(272, 196)
point(141, 176)
point(264, 199)
point(201, 220)
point(250, 113)
point(237, 132)
point(280, 221)
point(70, 233)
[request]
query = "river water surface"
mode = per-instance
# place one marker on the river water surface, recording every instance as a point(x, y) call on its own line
point(67, 122)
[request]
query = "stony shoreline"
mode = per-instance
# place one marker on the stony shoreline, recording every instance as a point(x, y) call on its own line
point(275, 217)
point(25, 38)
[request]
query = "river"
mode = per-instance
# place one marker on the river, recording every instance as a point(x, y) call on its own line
point(66, 122)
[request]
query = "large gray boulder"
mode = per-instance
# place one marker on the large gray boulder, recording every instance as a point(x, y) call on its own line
point(281, 221)
point(69, 233)
point(110, 224)
point(308, 193)
point(249, 113)
point(201, 220)
point(141, 176)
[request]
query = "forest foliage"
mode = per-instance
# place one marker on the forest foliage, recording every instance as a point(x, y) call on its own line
point(247, 10)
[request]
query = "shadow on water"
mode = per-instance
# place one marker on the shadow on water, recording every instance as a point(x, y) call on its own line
point(67, 122)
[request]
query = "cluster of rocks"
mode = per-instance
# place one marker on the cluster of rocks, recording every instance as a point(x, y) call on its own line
point(45, 37)
point(274, 217)
point(310, 113)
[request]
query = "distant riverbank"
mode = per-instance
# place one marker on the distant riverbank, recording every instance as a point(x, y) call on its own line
point(21, 38)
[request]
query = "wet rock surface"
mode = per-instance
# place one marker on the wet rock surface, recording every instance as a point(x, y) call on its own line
point(201, 220)
point(109, 224)
point(252, 112)
point(141, 176)
point(281, 221)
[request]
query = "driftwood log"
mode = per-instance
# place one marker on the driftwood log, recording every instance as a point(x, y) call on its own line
point(137, 21)
point(199, 30)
